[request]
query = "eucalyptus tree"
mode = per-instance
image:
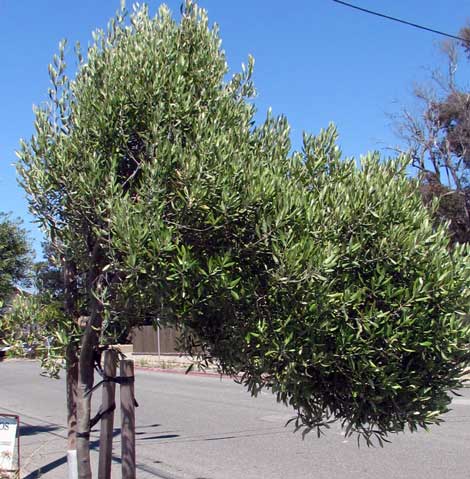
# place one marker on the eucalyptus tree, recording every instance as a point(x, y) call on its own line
point(437, 134)
point(308, 275)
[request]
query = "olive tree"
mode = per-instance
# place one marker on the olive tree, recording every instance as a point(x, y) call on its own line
point(359, 314)
point(302, 272)
point(33, 326)
point(127, 163)
point(35, 323)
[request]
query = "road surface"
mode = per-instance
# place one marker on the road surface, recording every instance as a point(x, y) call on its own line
point(193, 427)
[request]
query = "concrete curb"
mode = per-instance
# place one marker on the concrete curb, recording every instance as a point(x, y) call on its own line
point(183, 371)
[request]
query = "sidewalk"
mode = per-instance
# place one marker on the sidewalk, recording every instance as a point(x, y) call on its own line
point(43, 452)
point(163, 361)
point(43, 440)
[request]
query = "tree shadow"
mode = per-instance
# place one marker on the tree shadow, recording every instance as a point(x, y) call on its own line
point(42, 470)
point(163, 436)
point(29, 430)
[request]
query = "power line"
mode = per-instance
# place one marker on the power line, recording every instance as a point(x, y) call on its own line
point(400, 21)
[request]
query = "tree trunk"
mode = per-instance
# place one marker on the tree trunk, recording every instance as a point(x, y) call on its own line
point(90, 340)
point(71, 367)
point(85, 384)
point(71, 385)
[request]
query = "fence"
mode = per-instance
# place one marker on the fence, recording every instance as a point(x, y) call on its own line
point(148, 340)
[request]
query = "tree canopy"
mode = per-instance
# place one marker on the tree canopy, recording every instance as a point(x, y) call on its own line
point(15, 256)
point(319, 279)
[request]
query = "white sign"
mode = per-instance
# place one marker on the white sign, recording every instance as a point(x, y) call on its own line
point(8, 441)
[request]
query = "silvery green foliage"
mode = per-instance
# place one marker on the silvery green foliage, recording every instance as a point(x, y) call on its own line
point(307, 274)
point(369, 331)
point(32, 326)
point(352, 306)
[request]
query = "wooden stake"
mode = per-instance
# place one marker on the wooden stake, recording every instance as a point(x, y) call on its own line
point(107, 421)
point(127, 420)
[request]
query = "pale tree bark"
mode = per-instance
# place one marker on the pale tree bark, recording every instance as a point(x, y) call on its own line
point(71, 368)
point(85, 384)
point(89, 344)
point(72, 385)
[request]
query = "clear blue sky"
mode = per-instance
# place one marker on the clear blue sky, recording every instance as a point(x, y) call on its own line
point(316, 62)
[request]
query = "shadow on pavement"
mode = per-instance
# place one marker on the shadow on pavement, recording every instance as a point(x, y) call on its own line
point(163, 436)
point(40, 471)
point(28, 430)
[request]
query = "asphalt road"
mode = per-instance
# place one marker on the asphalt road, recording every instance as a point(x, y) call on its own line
point(193, 427)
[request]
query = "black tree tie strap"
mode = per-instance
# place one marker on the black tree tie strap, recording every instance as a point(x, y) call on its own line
point(108, 379)
point(123, 380)
point(100, 414)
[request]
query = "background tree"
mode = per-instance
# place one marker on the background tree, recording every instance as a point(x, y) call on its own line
point(34, 325)
point(15, 257)
point(48, 277)
point(149, 173)
point(438, 137)
point(38, 322)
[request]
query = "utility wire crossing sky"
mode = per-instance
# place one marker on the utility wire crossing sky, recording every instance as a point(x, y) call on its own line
point(388, 17)
point(316, 62)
